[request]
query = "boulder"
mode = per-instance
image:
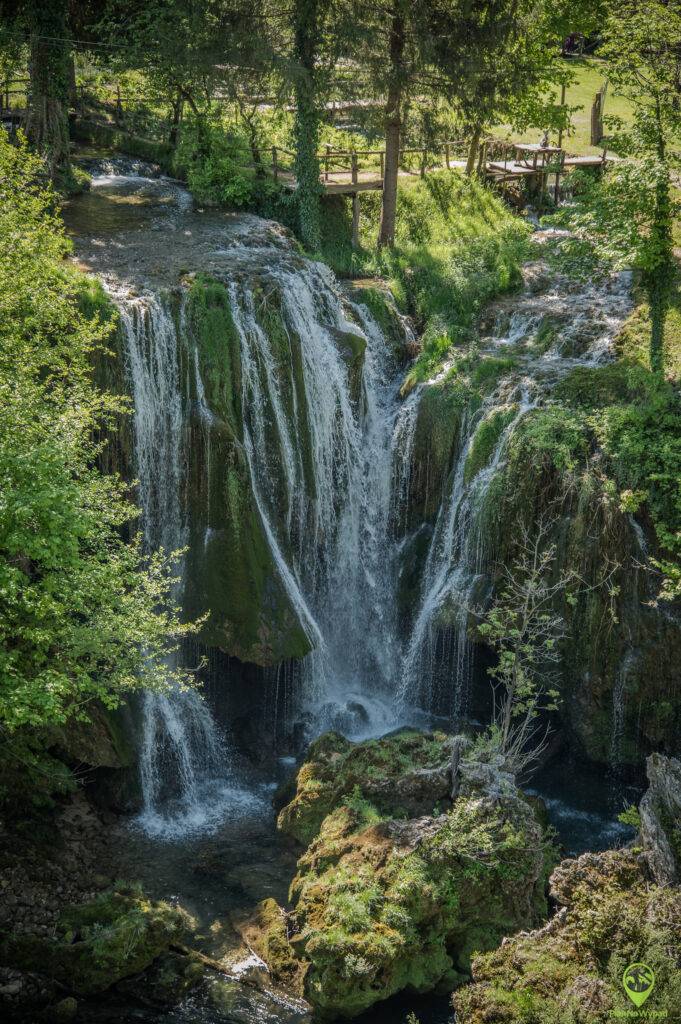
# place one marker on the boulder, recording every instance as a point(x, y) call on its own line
point(115, 936)
point(405, 773)
point(610, 915)
point(660, 811)
point(386, 900)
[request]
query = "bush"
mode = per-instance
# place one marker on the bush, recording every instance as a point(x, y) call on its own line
point(81, 611)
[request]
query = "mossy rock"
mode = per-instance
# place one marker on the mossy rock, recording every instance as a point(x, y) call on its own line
point(381, 304)
point(436, 442)
point(383, 904)
point(571, 970)
point(230, 570)
point(266, 931)
point(117, 935)
point(485, 440)
point(405, 772)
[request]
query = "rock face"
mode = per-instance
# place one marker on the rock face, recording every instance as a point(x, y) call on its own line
point(660, 811)
point(398, 885)
point(615, 908)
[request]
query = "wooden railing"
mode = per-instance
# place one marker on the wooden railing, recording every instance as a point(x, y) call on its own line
point(352, 162)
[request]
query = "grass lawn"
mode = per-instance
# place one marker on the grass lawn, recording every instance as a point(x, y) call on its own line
point(590, 73)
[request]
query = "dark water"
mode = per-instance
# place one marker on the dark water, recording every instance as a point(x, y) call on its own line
point(582, 803)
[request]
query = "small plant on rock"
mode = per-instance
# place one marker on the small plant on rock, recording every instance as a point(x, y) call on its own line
point(524, 631)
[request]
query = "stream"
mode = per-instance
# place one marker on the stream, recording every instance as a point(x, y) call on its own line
point(205, 834)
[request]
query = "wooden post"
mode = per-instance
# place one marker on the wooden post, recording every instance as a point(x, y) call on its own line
point(561, 167)
point(119, 105)
point(355, 220)
point(382, 159)
point(353, 167)
point(423, 163)
point(447, 155)
point(562, 103)
point(326, 162)
point(275, 166)
point(482, 159)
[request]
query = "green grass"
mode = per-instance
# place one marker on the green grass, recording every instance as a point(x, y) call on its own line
point(590, 74)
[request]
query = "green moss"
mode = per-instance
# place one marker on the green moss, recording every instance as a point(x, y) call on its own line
point(337, 770)
point(213, 331)
point(595, 387)
point(382, 904)
point(571, 973)
point(485, 440)
point(115, 936)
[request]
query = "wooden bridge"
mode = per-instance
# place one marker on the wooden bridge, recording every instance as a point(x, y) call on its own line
point(348, 172)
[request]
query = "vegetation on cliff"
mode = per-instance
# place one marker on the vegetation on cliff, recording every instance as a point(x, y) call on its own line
point(614, 909)
point(83, 614)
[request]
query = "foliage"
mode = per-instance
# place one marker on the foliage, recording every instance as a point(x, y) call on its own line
point(524, 632)
point(83, 615)
point(456, 247)
point(116, 935)
point(215, 162)
point(630, 816)
point(629, 216)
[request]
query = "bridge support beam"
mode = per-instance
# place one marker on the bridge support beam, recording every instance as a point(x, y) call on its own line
point(355, 220)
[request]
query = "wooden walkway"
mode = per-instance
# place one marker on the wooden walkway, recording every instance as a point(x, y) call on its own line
point(349, 172)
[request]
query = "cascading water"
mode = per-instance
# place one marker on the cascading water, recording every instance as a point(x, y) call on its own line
point(184, 769)
point(330, 461)
point(335, 547)
point(453, 566)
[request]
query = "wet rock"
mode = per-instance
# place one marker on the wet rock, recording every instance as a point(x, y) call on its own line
point(64, 1010)
point(660, 811)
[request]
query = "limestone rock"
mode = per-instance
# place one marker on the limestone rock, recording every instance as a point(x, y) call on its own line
point(660, 811)
point(385, 900)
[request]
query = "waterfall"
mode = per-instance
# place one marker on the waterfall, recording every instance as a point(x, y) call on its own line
point(454, 564)
point(334, 547)
point(329, 448)
point(184, 769)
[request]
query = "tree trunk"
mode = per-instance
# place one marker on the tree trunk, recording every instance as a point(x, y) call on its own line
point(393, 130)
point(47, 125)
point(659, 277)
point(307, 16)
point(174, 133)
point(658, 315)
point(473, 150)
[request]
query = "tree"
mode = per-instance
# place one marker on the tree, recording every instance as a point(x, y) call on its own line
point(475, 54)
point(45, 27)
point(307, 27)
point(643, 49)
point(83, 614)
point(524, 631)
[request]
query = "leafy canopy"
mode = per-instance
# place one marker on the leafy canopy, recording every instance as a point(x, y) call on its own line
point(83, 614)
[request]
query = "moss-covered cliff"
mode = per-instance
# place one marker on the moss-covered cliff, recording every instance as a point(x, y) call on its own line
point(230, 571)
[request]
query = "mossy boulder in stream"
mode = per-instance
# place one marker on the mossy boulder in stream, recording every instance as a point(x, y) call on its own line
point(388, 898)
point(614, 909)
point(117, 935)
